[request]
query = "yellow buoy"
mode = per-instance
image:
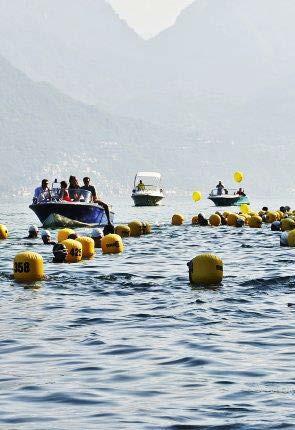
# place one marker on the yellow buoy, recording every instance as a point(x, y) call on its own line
point(255, 221)
point(238, 176)
point(28, 266)
point(122, 230)
point(245, 209)
point(146, 228)
point(112, 244)
point(197, 196)
point(3, 232)
point(177, 219)
point(270, 217)
point(215, 220)
point(232, 219)
point(291, 238)
point(206, 269)
point(88, 246)
point(287, 224)
point(64, 233)
point(74, 250)
point(135, 228)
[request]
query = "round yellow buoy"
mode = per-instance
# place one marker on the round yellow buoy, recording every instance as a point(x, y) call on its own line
point(135, 228)
point(197, 196)
point(74, 250)
point(238, 176)
point(28, 266)
point(3, 232)
point(206, 269)
point(88, 246)
point(215, 220)
point(291, 238)
point(146, 228)
point(112, 244)
point(287, 224)
point(195, 220)
point(64, 233)
point(271, 217)
point(122, 230)
point(177, 219)
point(245, 209)
point(232, 219)
point(255, 221)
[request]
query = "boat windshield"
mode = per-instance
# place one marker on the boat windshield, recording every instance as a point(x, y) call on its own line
point(223, 192)
point(78, 195)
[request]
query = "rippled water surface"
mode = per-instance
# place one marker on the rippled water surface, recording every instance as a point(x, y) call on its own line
point(124, 342)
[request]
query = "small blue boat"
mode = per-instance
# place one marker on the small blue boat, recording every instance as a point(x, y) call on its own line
point(79, 212)
point(227, 198)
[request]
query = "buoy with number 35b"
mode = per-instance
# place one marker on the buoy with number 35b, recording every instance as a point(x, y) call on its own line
point(28, 266)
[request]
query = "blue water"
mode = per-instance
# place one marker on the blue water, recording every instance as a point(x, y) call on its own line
point(124, 342)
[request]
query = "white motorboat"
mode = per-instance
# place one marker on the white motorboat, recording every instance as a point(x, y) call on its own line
point(147, 189)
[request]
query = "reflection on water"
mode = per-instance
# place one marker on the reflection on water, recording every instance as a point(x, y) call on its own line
point(123, 341)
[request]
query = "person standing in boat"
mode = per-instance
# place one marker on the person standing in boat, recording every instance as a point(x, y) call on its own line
point(95, 198)
point(42, 194)
point(219, 188)
point(140, 186)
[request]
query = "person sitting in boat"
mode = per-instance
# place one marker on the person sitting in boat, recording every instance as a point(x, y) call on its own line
point(240, 192)
point(73, 188)
point(219, 188)
point(64, 194)
point(42, 194)
point(140, 186)
point(95, 198)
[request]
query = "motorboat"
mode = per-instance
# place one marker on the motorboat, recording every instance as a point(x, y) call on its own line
point(227, 197)
point(147, 190)
point(78, 211)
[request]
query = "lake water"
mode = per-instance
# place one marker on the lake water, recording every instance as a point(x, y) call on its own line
point(124, 341)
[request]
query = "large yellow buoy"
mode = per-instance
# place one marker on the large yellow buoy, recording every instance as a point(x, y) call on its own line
point(287, 224)
point(135, 228)
point(197, 196)
point(112, 244)
point(255, 221)
point(271, 217)
point(64, 233)
point(206, 269)
point(238, 176)
point(28, 266)
point(88, 246)
point(215, 220)
point(177, 219)
point(291, 238)
point(146, 228)
point(74, 250)
point(3, 232)
point(122, 230)
point(232, 219)
point(245, 209)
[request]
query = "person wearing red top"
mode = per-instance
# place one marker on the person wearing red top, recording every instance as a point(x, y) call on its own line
point(64, 194)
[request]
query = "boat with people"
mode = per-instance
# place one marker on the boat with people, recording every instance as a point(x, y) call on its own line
point(58, 207)
point(222, 196)
point(147, 190)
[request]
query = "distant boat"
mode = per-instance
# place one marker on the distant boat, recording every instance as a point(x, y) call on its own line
point(79, 211)
point(147, 189)
point(229, 198)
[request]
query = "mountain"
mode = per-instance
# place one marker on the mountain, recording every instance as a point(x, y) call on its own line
point(79, 46)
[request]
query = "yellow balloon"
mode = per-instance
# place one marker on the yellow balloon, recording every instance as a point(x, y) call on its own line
point(197, 195)
point(238, 176)
point(245, 209)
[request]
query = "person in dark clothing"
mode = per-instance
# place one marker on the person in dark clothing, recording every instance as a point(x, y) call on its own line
point(95, 198)
point(219, 187)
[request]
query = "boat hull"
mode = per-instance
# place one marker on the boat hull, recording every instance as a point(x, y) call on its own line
point(229, 200)
point(146, 199)
point(86, 213)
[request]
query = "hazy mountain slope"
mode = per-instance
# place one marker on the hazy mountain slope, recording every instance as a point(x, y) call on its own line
point(79, 46)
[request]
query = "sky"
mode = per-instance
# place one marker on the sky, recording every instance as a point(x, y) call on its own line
point(149, 17)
